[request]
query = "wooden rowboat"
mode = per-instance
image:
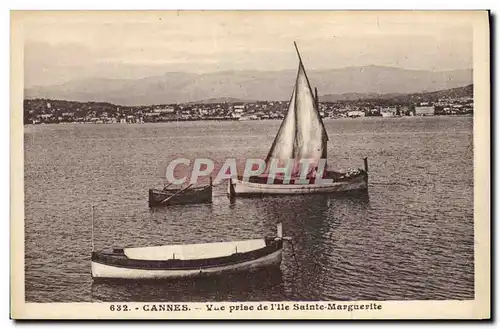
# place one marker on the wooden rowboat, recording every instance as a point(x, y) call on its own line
point(187, 195)
point(188, 261)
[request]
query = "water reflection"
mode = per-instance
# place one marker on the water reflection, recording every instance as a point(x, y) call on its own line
point(312, 221)
point(266, 284)
point(174, 209)
point(285, 207)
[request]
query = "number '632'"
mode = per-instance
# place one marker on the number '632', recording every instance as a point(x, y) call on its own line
point(118, 308)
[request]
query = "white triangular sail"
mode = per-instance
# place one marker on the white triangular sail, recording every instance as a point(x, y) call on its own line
point(310, 137)
point(283, 145)
point(302, 134)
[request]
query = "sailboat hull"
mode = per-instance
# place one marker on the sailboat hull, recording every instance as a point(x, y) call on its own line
point(237, 187)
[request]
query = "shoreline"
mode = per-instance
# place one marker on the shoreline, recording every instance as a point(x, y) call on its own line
point(255, 120)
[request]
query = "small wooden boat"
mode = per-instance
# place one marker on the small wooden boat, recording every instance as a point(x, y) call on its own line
point(340, 183)
point(188, 261)
point(302, 135)
point(187, 195)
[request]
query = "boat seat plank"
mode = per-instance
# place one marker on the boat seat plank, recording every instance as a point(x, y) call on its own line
point(194, 251)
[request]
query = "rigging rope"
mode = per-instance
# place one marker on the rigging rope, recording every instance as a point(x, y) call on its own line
point(223, 181)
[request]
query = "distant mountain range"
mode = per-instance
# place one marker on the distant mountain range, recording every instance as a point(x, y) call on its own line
point(219, 100)
point(176, 87)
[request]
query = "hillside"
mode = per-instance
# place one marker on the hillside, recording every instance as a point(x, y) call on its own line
point(464, 91)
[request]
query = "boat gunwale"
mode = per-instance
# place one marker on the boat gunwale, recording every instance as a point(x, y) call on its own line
point(363, 175)
point(191, 189)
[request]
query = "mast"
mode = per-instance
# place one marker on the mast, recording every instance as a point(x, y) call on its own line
point(92, 212)
point(323, 154)
point(298, 53)
point(316, 97)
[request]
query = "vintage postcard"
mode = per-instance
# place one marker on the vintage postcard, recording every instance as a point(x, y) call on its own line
point(250, 165)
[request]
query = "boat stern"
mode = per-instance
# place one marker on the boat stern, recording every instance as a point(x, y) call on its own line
point(156, 197)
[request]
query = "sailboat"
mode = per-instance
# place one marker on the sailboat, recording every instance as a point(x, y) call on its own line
point(301, 136)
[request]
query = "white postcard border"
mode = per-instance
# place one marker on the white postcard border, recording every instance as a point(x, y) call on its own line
point(477, 308)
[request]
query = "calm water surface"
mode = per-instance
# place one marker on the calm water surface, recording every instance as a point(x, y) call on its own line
point(411, 238)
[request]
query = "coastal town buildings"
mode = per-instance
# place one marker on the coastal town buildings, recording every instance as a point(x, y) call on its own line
point(38, 111)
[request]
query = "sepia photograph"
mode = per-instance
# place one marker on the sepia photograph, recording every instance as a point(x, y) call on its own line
point(250, 164)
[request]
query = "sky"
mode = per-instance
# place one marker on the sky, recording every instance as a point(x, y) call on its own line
point(64, 46)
